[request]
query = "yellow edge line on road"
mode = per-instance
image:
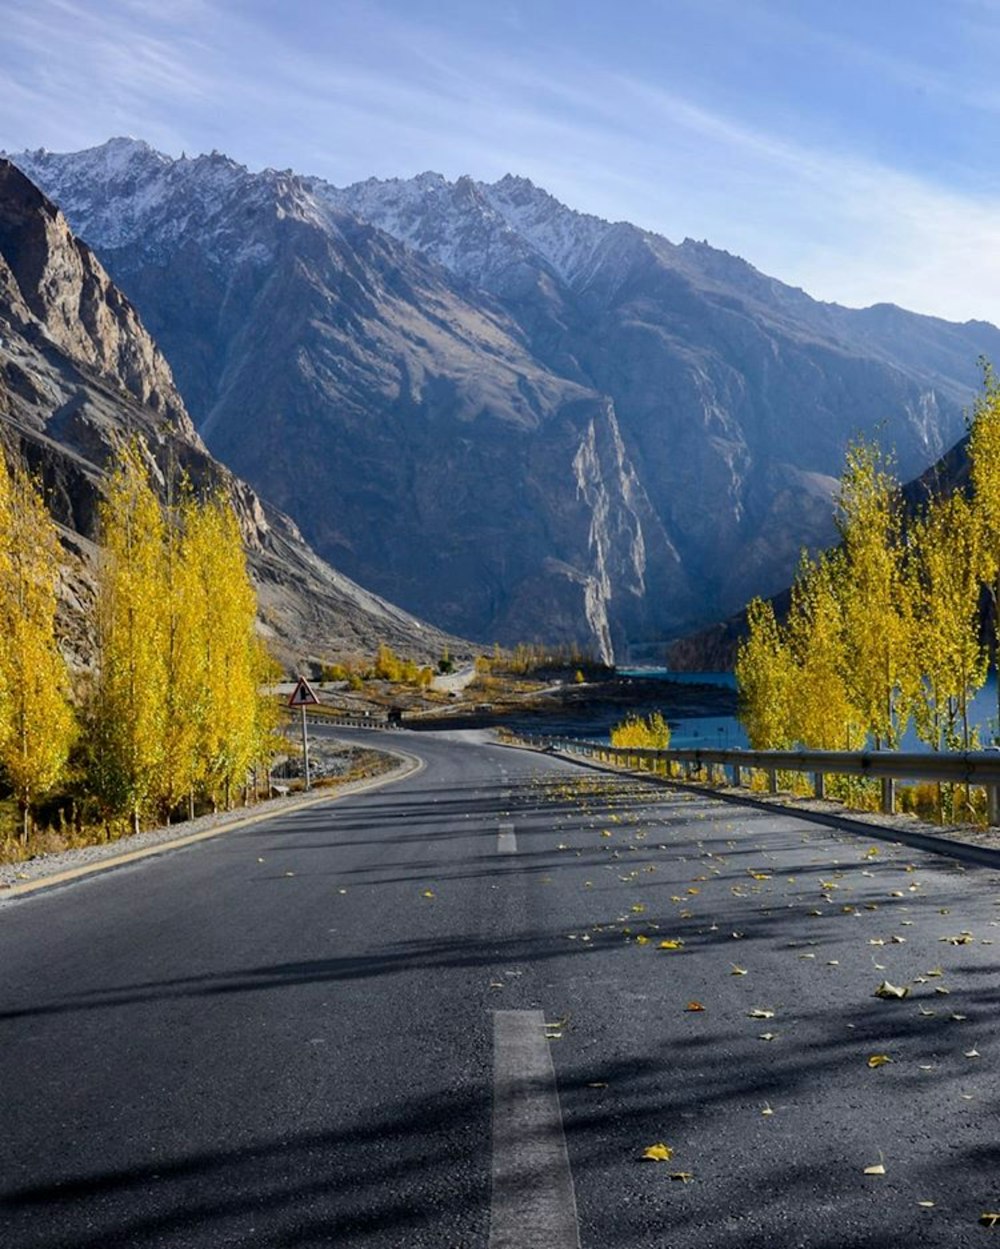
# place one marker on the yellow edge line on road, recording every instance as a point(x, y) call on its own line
point(412, 764)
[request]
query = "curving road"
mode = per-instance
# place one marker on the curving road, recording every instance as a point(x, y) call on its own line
point(415, 1015)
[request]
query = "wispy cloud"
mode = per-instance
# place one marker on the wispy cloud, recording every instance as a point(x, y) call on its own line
point(347, 89)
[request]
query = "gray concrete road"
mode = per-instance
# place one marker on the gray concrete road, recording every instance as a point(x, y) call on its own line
point(396, 1019)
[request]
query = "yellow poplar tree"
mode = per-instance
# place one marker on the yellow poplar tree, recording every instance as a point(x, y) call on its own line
point(268, 713)
point(877, 626)
point(185, 640)
point(820, 709)
point(230, 730)
point(765, 678)
point(36, 721)
point(943, 567)
point(984, 473)
point(128, 741)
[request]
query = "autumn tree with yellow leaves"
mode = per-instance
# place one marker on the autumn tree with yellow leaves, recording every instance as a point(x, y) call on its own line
point(177, 709)
point(984, 477)
point(650, 732)
point(820, 711)
point(128, 737)
point(887, 626)
point(765, 679)
point(231, 729)
point(942, 579)
point(878, 663)
point(37, 724)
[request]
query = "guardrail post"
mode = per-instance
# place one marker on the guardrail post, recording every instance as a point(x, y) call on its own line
point(819, 785)
point(737, 775)
point(888, 795)
point(772, 781)
point(992, 805)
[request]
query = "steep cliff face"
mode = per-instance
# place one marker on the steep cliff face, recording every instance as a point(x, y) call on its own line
point(78, 374)
point(67, 293)
point(497, 410)
point(396, 414)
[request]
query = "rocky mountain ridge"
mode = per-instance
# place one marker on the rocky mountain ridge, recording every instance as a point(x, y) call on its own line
point(79, 373)
point(518, 420)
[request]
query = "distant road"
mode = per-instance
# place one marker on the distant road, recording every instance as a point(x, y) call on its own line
point(402, 1018)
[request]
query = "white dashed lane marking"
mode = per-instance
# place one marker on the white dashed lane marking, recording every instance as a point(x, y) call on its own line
point(534, 1205)
point(506, 840)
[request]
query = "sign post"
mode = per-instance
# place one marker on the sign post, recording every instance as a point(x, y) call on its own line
point(303, 697)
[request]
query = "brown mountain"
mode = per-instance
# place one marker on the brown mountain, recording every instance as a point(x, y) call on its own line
point(78, 373)
point(516, 419)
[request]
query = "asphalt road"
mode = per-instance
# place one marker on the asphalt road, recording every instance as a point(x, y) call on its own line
point(296, 1034)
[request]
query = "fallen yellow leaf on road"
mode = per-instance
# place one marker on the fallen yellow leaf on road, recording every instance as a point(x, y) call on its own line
point(879, 1060)
point(990, 1219)
point(738, 971)
point(888, 990)
point(671, 944)
point(876, 1169)
point(684, 1176)
point(759, 1012)
point(658, 1153)
point(427, 893)
point(694, 1007)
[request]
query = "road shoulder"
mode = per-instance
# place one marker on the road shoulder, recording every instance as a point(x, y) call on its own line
point(48, 871)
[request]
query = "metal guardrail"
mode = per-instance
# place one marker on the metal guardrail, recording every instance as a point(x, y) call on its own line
point(353, 722)
point(976, 767)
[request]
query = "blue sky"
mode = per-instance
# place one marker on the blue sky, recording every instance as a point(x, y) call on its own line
point(850, 149)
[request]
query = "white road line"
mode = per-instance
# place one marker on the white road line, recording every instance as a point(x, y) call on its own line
point(506, 840)
point(534, 1205)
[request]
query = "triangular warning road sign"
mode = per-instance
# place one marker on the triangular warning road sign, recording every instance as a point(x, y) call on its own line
point(302, 695)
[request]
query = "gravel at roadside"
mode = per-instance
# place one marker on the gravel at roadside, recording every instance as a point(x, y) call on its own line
point(63, 860)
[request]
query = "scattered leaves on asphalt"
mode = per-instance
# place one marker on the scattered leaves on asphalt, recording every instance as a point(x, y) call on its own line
point(658, 1153)
point(879, 1060)
point(887, 990)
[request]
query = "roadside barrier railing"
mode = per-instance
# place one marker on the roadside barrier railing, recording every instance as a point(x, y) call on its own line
point(975, 767)
point(352, 722)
